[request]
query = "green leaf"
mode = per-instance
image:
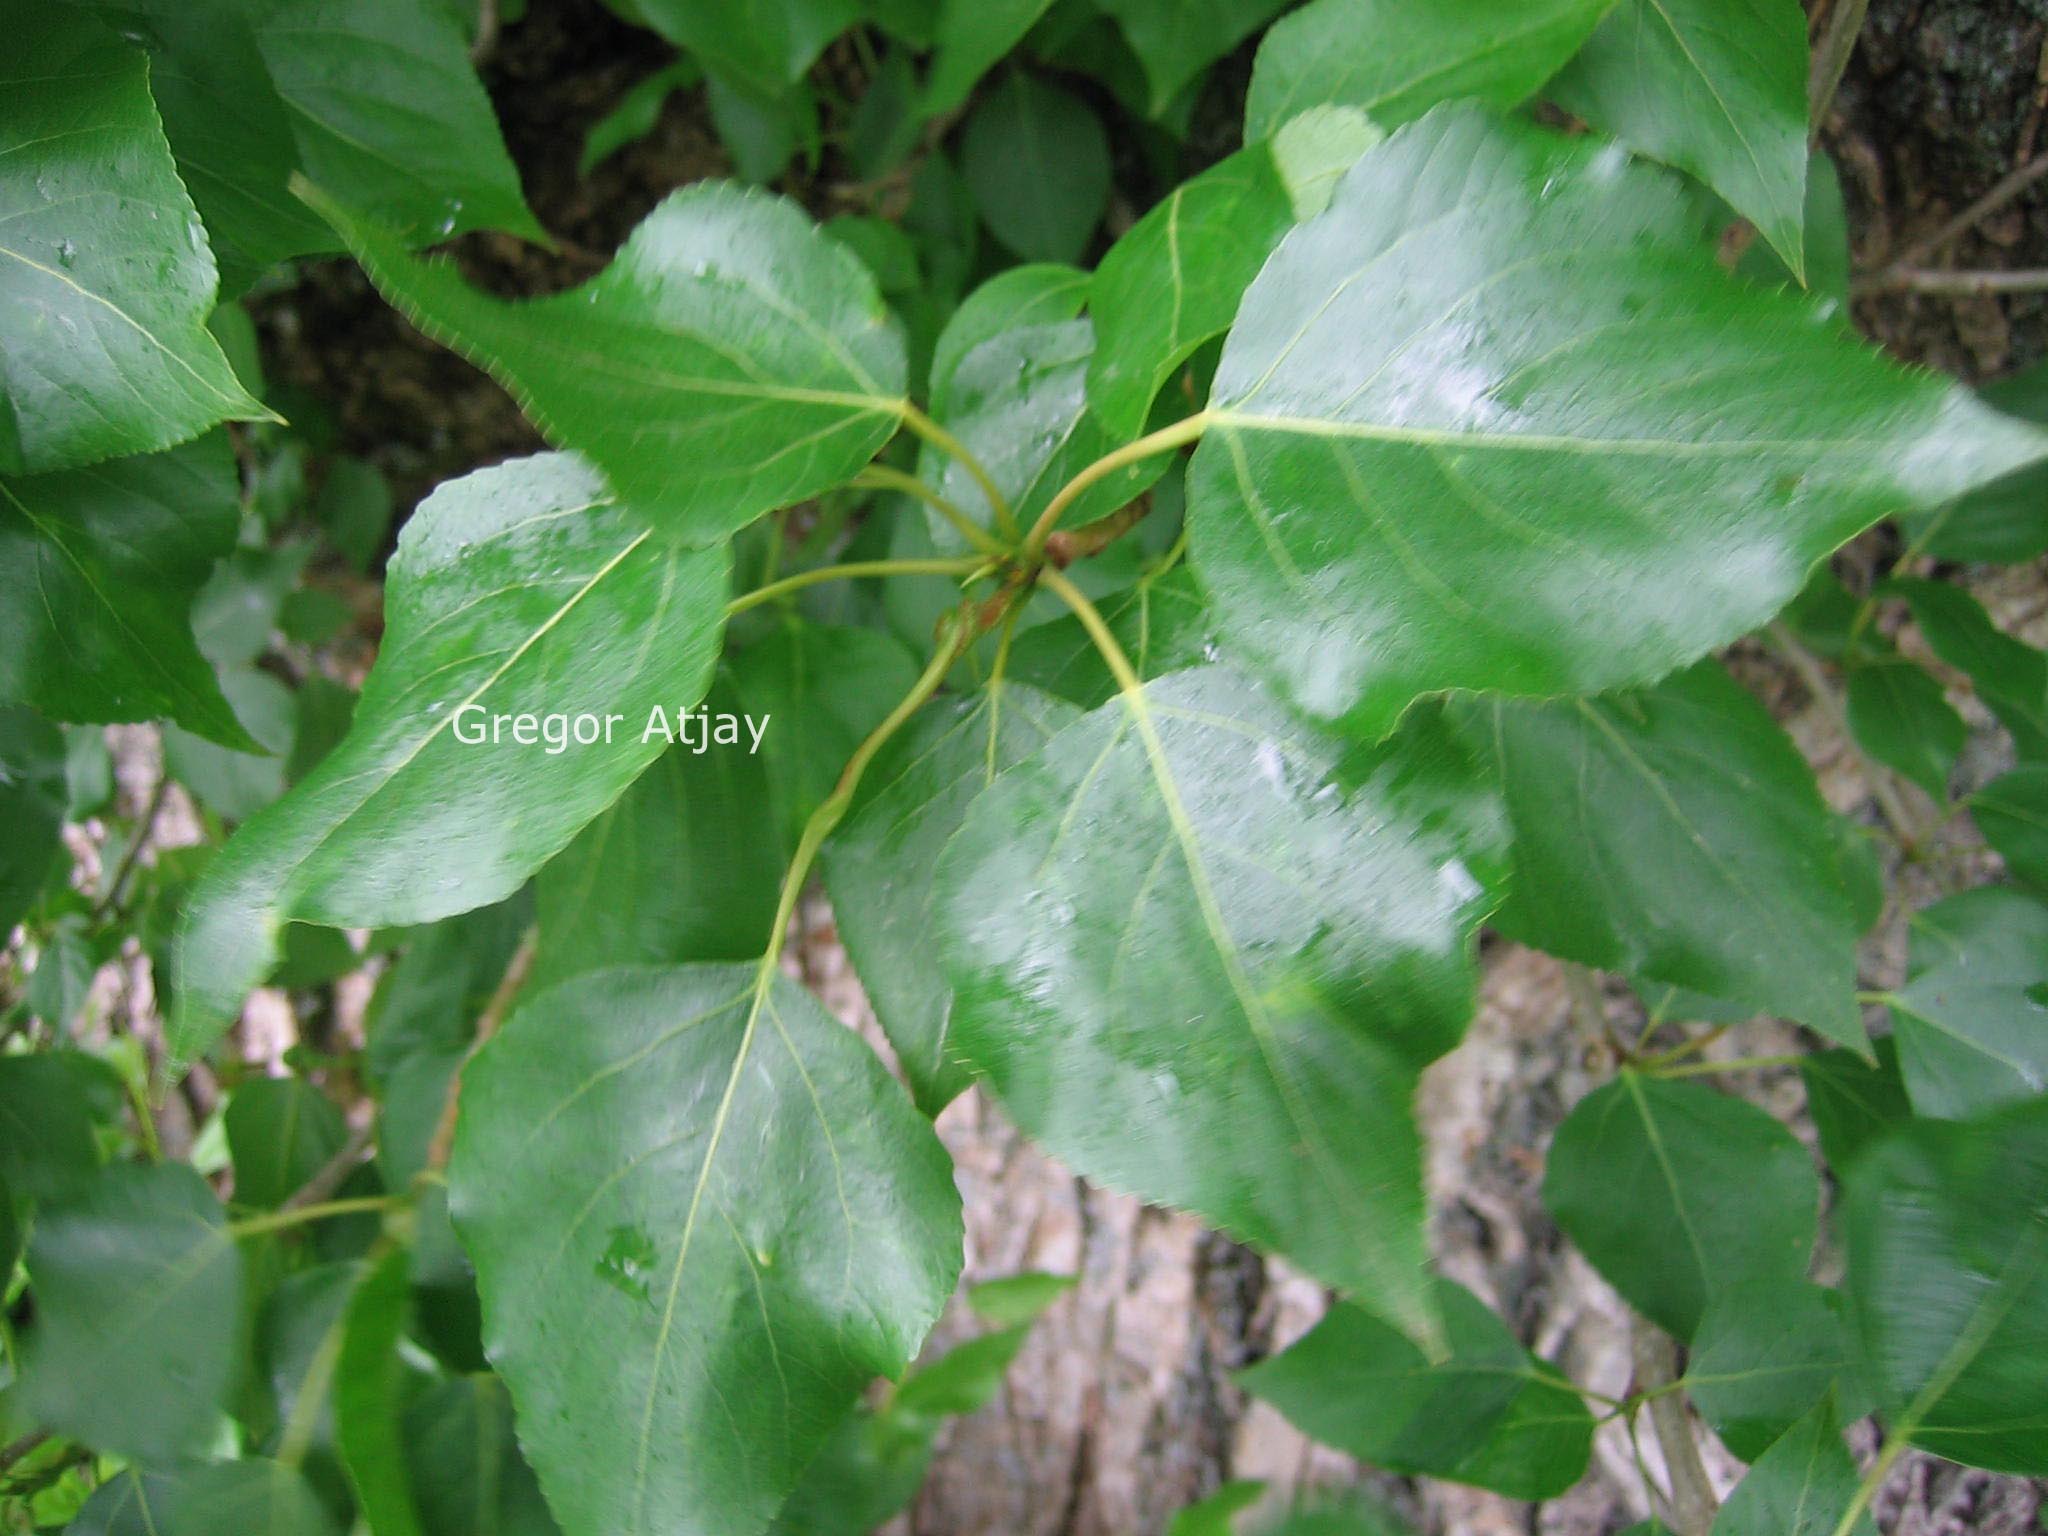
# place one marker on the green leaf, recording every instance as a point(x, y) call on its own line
point(1946, 1228)
point(1766, 1352)
point(1202, 247)
point(1675, 833)
point(972, 35)
point(298, 1326)
point(390, 117)
point(136, 1284)
point(1174, 280)
point(1801, 1486)
point(1396, 61)
point(1162, 623)
point(249, 1498)
point(99, 568)
point(879, 864)
point(686, 865)
point(369, 1383)
point(1900, 716)
point(875, 1461)
point(2010, 676)
point(762, 46)
point(1038, 162)
point(731, 1190)
point(32, 795)
point(281, 1131)
point(105, 276)
point(1676, 1192)
point(636, 113)
point(868, 1473)
point(354, 506)
point(236, 785)
point(2006, 520)
point(814, 691)
point(1015, 1299)
point(761, 134)
point(1853, 1101)
point(1714, 89)
point(63, 976)
point(525, 588)
point(1215, 1515)
point(1527, 332)
point(1038, 293)
point(47, 1148)
point(1209, 973)
point(1825, 240)
point(1018, 402)
point(466, 1470)
point(1972, 1018)
point(732, 359)
point(1177, 39)
point(1489, 1414)
point(2012, 813)
point(229, 129)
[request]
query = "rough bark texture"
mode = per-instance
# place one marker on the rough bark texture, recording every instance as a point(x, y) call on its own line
point(1121, 1409)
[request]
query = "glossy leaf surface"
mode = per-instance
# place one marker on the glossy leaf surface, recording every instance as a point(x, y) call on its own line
point(526, 588)
point(1527, 330)
point(1018, 401)
point(732, 359)
point(879, 864)
point(390, 117)
point(735, 1195)
point(1714, 88)
point(1489, 1414)
point(1675, 833)
point(1396, 60)
point(1209, 975)
point(1162, 622)
point(1201, 247)
point(1948, 1284)
point(1174, 280)
point(98, 571)
point(1676, 1192)
point(105, 275)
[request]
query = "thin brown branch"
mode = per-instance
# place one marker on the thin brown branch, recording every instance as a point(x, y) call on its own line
point(2008, 187)
point(1905, 826)
point(1693, 1505)
point(111, 896)
point(333, 1173)
point(1070, 544)
point(487, 1023)
point(20, 1450)
point(1952, 284)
